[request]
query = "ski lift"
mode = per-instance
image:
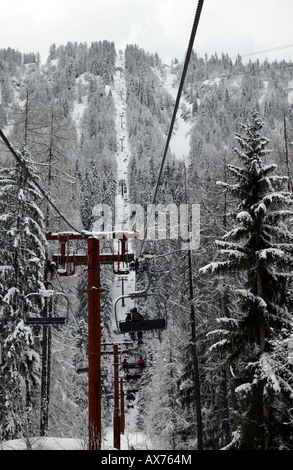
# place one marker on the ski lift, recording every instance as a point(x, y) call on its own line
point(47, 321)
point(135, 376)
point(120, 267)
point(142, 324)
point(130, 396)
point(82, 370)
point(122, 264)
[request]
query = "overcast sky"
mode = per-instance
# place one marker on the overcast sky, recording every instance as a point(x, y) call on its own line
point(162, 26)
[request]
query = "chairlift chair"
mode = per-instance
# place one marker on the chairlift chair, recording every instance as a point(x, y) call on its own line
point(47, 321)
point(142, 324)
point(117, 268)
point(132, 377)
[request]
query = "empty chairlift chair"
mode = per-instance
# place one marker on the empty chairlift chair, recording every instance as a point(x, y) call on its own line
point(55, 320)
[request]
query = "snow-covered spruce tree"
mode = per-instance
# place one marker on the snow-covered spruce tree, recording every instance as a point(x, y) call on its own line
point(258, 252)
point(22, 250)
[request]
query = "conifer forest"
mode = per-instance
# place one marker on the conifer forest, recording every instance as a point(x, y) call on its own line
point(87, 130)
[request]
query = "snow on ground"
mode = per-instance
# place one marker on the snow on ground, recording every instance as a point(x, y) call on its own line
point(131, 438)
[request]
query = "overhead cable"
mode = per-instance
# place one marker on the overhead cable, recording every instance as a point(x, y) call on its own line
point(186, 63)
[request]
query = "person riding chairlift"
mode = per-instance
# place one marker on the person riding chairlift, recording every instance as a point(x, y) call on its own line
point(125, 364)
point(134, 315)
point(141, 362)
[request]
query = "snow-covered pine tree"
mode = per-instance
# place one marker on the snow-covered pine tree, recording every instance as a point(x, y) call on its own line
point(163, 415)
point(22, 252)
point(258, 251)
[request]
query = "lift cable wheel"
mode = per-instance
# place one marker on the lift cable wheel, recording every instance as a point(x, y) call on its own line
point(47, 321)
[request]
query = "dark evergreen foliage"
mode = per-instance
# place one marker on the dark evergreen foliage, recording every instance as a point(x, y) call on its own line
point(64, 115)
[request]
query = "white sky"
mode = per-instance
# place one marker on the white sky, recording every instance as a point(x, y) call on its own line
point(163, 26)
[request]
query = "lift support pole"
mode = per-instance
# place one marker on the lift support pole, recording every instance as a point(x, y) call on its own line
point(93, 259)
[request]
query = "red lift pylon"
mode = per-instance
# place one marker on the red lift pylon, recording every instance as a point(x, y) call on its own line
point(94, 259)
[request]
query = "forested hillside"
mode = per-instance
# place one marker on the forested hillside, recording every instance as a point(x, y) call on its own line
point(63, 120)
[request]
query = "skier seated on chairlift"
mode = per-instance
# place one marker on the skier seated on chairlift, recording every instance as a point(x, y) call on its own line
point(141, 362)
point(125, 364)
point(134, 315)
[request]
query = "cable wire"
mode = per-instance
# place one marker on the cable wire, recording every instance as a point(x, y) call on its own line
point(184, 71)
